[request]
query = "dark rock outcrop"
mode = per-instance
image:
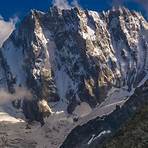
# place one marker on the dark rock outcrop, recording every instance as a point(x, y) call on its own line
point(102, 129)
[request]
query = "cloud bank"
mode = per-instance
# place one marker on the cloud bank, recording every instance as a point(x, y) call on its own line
point(64, 4)
point(20, 93)
point(75, 3)
point(6, 28)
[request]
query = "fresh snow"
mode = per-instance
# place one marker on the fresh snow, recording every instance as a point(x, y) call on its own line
point(15, 61)
point(16, 133)
point(98, 136)
point(63, 84)
point(59, 124)
point(56, 127)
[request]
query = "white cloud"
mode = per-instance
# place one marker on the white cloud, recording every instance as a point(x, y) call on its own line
point(64, 4)
point(61, 4)
point(75, 3)
point(6, 28)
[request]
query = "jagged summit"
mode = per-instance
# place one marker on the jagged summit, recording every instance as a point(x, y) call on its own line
point(74, 55)
point(84, 63)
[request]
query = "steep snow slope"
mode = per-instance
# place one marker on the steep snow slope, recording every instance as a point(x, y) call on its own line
point(82, 62)
point(73, 56)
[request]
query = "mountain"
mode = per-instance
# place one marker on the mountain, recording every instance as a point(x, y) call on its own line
point(118, 129)
point(73, 56)
point(133, 134)
point(83, 63)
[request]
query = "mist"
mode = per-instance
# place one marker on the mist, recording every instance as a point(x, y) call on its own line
point(6, 28)
point(20, 93)
point(64, 4)
point(61, 4)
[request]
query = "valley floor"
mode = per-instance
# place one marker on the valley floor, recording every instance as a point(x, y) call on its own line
point(15, 133)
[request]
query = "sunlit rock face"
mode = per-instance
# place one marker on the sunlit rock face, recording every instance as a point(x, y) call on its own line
point(73, 56)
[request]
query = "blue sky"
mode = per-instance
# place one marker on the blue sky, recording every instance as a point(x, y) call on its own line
point(11, 8)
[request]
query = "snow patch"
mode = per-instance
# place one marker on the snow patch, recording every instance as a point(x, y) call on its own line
point(100, 135)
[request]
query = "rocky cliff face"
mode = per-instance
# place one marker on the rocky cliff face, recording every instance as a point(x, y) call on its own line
point(74, 56)
point(80, 60)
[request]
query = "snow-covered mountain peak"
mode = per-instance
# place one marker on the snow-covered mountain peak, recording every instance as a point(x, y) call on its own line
point(83, 63)
point(73, 56)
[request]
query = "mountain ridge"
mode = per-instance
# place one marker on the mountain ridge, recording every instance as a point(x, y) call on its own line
point(90, 53)
point(79, 61)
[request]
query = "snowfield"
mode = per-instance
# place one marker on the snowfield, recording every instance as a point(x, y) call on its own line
point(15, 132)
point(66, 55)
